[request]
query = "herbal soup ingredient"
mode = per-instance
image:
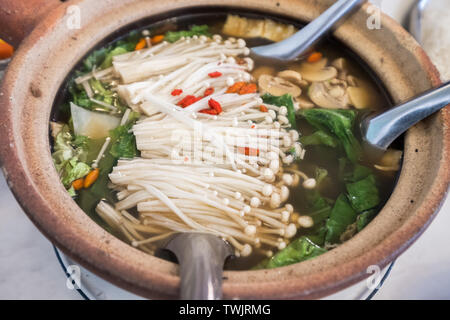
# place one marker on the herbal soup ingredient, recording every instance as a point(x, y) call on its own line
point(256, 28)
point(171, 133)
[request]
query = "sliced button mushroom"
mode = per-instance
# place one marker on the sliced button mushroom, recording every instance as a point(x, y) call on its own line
point(352, 81)
point(320, 95)
point(342, 75)
point(337, 91)
point(291, 76)
point(325, 74)
point(364, 95)
point(277, 86)
point(339, 82)
point(303, 84)
point(263, 70)
point(304, 103)
point(359, 97)
point(390, 160)
point(312, 66)
point(317, 71)
point(340, 64)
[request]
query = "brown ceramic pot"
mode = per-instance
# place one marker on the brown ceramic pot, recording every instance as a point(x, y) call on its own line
point(49, 53)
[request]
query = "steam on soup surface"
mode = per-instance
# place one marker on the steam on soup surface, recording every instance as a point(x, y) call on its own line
point(176, 128)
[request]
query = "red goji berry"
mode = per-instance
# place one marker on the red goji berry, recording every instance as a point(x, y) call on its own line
point(263, 108)
point(209, 92)
point(235, 87)
point(176, 92)
point(187, 101)
point(248, 151)
point(214, 74)
point(213, 104)
point(208, 111)
point(248, 88)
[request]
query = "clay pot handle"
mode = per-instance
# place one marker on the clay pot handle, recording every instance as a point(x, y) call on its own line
point(19, 17)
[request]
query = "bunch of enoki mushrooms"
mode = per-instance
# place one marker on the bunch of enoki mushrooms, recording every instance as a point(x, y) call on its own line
point(214, 157)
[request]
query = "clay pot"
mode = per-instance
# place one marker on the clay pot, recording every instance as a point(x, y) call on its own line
point(52, 49)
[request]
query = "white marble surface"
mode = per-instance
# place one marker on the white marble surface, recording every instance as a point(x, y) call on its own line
point(30, 270)
point(28, 265)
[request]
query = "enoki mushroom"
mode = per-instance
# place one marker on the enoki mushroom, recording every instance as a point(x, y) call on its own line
point(211, 160)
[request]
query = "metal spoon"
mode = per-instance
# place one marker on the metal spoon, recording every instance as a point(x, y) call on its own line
point(415, 19)
point(201, 257)
point(379, 131)
point(301, 41)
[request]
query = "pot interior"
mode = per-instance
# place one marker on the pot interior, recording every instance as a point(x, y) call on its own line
point(215, 16)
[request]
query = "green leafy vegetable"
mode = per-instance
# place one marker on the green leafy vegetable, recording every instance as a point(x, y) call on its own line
point(172, 36)
point(102, 58)
point(74, 170)
point(342, 215)
point(315, 201)
point(318, 234)
point(124, 143)
point(107, 62)
point(69, 156)
point(81, 142)
point(319, 208)
point(363, 195)
point(298, 250)
point(98, 88)
point(106, 95)
point(365, 218)
point(95, 59)
point(320, 217)
point(338, 123)
point(359, 172)
point(284, 100)
point(80, 97)
point(102, 93)
point(320, 175)
point(319, 138)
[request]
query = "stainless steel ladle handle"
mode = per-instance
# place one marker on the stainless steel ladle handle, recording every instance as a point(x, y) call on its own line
point(201, 258)
point(381, 130)
point(301, 41)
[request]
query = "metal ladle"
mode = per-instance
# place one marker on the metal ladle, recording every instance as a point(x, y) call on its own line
point(415, 19)
point(379, 131)
point(302, 40)
point(201, 257)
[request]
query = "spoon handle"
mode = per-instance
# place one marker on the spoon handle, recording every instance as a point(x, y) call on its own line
point(381, 130)
point(201, 258)
point(302, 40)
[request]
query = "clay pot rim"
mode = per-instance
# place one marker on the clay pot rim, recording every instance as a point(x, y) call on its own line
point(323, 282)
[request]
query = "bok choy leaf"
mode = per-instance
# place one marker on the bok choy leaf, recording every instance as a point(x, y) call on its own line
point(363, 195)
point(298, 250)
point(338, 123)
point(342, 215)
point(284, 100)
